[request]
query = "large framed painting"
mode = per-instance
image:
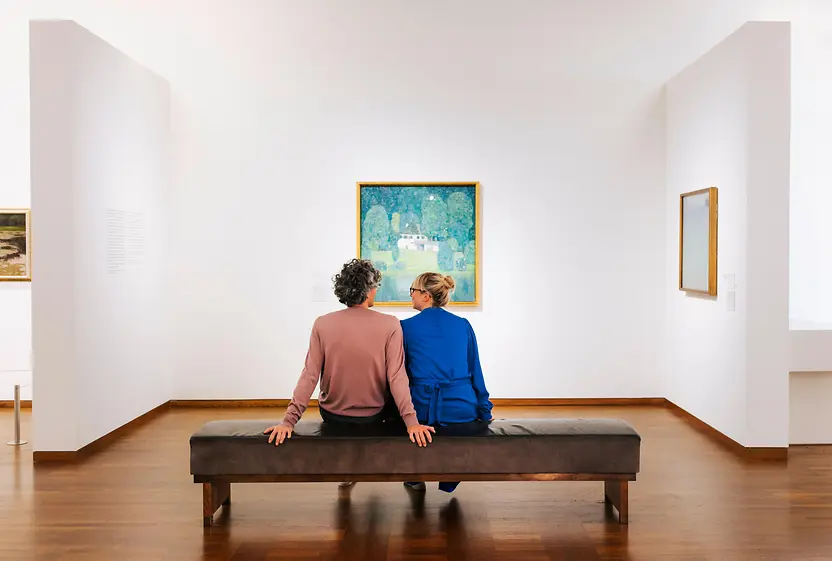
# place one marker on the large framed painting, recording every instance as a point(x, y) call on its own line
point(15, 245)
point(407, 229)
point(698, 216)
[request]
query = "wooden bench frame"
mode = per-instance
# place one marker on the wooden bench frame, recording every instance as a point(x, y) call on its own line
point(216, 489)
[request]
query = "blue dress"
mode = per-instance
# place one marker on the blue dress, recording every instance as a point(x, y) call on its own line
point(443, 364)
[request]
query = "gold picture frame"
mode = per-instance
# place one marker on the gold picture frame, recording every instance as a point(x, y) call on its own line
point(15, 245)
point(401, 262)
point(698, 240)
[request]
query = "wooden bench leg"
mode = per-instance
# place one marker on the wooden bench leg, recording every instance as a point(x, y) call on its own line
point(214, 495)
point(617, 493)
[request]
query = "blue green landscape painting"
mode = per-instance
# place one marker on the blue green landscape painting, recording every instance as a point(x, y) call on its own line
point(407, 230)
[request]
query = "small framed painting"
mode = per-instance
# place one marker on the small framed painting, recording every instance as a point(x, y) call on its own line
point(407, 229)
point(15, 246)
point(698, 216)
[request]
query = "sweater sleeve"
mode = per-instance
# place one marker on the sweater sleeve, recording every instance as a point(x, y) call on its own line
point(397, 376)
point(309, 378)
point(484, 404)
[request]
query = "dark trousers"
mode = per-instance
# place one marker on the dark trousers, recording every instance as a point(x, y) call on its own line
point(336, 419)
point(389, 413)
point(457, 429)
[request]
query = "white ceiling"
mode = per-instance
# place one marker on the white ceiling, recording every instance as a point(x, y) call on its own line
point(645, 41)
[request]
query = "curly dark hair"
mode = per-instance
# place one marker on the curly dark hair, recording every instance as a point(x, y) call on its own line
point(354, 282)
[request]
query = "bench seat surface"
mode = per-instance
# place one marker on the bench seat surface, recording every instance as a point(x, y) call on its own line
point(505, 446)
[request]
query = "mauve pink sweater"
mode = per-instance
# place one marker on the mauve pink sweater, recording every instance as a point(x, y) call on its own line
point(355, 353)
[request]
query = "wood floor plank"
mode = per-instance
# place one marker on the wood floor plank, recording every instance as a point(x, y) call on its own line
point(693, 500)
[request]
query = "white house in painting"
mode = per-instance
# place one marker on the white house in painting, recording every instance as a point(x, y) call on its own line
point(417, 242)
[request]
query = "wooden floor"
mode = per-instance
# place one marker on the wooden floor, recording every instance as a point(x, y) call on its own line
point(693, 501)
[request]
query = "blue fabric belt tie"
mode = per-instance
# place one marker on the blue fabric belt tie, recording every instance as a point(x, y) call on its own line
point(436, 395)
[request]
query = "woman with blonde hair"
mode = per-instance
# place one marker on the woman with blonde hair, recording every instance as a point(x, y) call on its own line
point(443, 364)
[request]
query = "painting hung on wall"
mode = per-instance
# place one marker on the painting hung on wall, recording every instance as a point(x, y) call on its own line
point(698, 212)
point(407, 229)
point(15, 259)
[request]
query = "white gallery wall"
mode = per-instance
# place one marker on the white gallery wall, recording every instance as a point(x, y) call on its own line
point(728, 357)
point(100, 176)
point(810, 417)
point(278, 108)
point(15, 297)
point(566, 153)
point(571, 216)
point(811, 196)
point(810, 381)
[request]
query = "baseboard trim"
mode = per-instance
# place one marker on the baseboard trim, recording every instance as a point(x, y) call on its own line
point(233, 403)
point(9, 403)
point(103, 442)
point(56, 456)
point(747, 453)
point(744, 452)
point(579, 401)
point(498, 402)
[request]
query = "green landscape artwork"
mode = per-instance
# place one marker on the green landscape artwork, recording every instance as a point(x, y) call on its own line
point(410, 229)
point(14, 245)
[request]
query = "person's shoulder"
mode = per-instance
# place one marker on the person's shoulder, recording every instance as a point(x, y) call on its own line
point(412, 320)
point(380, 318)
point(460, 322)
point(409, 324)
point(453, 318)
point(332, 318)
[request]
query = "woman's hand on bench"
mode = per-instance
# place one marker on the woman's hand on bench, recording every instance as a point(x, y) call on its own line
point(420, 434)
point(279, 433)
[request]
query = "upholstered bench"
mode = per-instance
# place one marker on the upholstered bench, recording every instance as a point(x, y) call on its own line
point(608, 450)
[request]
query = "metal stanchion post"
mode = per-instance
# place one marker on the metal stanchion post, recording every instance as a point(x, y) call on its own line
point(16, 441)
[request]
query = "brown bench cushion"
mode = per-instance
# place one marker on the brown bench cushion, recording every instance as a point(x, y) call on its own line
point(508, 446)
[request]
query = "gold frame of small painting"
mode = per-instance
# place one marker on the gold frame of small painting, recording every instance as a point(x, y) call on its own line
point(703, 242)
point(15, 245)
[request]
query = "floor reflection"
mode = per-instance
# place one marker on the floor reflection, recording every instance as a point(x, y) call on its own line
point(384, 522)
point(137, 501)
point(362, 530)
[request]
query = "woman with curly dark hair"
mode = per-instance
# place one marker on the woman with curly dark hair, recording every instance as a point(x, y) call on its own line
point(358, 356)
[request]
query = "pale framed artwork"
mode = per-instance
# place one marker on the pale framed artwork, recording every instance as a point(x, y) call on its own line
point(15, 245)
point(407, 229)
point(698, 218)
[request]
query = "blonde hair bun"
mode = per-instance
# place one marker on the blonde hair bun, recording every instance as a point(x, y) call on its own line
point(437, 285)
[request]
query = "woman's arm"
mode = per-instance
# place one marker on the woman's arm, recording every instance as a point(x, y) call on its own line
point(484, 404)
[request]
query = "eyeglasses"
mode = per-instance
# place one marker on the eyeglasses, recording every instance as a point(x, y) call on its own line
point(412, 290)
